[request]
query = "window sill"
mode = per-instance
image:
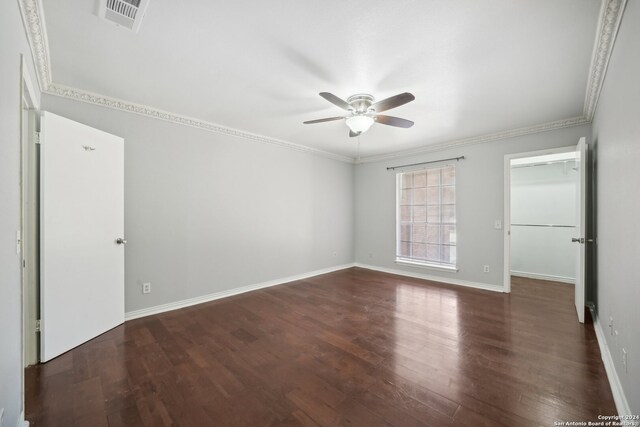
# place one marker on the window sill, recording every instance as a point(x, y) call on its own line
point(427, 266)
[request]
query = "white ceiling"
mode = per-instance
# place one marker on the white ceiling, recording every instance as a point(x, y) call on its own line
point(475, 67)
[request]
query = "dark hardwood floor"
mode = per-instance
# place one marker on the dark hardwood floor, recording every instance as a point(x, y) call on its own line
point(355, 347)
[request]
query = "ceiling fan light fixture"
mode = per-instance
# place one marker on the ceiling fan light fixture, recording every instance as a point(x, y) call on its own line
point(359, 124)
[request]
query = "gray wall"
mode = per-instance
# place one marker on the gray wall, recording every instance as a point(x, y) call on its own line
point(13, 42)
point(616, 130)
point(480, 200)
point(206, 212)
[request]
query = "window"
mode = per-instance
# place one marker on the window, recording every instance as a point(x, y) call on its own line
point(426, 217)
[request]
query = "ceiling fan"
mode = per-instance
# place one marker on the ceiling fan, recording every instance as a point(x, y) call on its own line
point(364, 112)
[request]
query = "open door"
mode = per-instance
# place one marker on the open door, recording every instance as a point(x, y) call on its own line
point(81, 231)
point(581, 227)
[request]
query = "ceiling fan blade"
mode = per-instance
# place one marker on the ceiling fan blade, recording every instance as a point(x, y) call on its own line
point(393, 121)
point(393, 102)
point(328, 119)
point(352, 133)
point(335, 100)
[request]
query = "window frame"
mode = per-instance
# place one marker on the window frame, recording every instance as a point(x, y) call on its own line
point(434, 265)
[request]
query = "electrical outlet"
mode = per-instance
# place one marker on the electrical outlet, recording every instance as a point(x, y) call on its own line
point(146, 288)
point(486, 269)
point(335, 254)
point(624, 360)
point(611, 325)
point(497, 224)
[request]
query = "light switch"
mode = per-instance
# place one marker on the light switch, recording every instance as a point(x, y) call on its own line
point(497, 224)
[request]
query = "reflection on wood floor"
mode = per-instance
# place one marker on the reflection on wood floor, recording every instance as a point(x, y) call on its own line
point(354, 347)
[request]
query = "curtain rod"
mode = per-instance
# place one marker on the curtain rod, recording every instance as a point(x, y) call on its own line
point(457, 159)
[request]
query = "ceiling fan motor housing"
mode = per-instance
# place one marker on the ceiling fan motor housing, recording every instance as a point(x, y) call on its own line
point(360, 103)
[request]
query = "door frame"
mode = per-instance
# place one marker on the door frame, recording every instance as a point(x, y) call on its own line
point(506, 281)
point(29, 106)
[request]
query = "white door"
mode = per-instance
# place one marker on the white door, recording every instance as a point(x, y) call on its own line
point(81, 218)
point(581, 227)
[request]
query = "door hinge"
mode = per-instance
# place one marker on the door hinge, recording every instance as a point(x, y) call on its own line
point(36, 137)
point(38, 325)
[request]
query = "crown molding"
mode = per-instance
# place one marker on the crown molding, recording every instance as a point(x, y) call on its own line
point(144, 110)
point(33, 19)
point(495, 136)
point(608, 24)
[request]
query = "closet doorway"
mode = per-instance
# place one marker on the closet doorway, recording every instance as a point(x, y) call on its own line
point(545, 220)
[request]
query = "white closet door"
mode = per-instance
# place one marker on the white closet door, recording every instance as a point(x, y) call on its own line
point(81, 220)
point(581, 239)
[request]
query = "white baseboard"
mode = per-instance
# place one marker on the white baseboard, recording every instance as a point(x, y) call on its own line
point(528, 275)
point(21, 421)
point(223, 294)
point(614, 381)
point(441, 279)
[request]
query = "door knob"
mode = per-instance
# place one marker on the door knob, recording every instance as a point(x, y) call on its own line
point(121, 241)
point(577, 240)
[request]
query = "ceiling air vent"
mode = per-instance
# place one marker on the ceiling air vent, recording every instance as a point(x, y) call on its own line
point(125, 13)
